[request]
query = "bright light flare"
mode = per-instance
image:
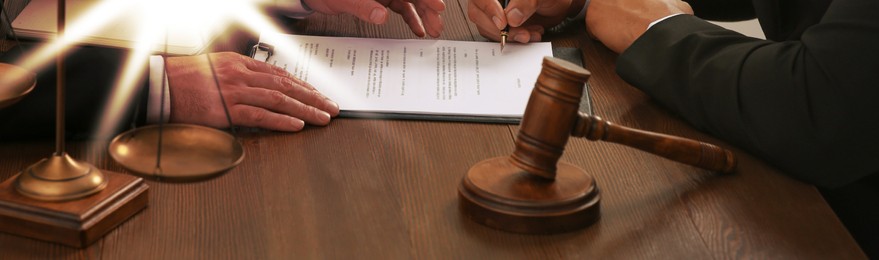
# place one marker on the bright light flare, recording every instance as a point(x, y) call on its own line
point(157, 23)
point(95, 18)
point(153, 21)
point(189, 17)
point(127, 82)
point(255, 20)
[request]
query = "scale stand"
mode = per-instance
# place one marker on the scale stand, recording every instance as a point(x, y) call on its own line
point(61, 200)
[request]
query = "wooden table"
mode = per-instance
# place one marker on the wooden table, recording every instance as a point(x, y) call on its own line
point(387, 189)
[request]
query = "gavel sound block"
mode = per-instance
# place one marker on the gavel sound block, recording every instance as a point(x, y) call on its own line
point(531, 191)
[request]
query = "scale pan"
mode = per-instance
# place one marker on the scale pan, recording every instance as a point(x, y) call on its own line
point(15, 83)
point(189, 152)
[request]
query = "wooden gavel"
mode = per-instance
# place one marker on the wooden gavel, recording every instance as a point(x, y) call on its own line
point(552, 116)
point(531, 191)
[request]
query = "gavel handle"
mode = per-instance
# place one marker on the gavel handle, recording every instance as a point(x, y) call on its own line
point(692, 152)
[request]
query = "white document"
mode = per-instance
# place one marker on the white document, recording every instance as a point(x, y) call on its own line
point(426, 77)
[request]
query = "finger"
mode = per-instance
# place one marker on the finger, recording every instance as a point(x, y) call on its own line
point(435, 5)
point(295, 90)
point(487, 12)
point(490, 32)
point(519, 34)
point(251, 116)
point(483, 22)
point(536, 32)
point(527, 34)
point(519, 11)
point(535, 36)
point(367, 10)
point(262, 67)
point(248, 62)
point(410, 16)
point(431, 20)
point(279, 102)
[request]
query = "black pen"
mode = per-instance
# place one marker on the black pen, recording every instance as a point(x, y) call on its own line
point(506, 29)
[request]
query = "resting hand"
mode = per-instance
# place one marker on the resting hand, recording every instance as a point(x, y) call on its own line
point(527, 18)
point(256, 93)
point(418, 14)
point(618, 23)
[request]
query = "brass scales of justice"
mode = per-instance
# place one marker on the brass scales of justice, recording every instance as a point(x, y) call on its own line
point(528, 192)
point(62, 200)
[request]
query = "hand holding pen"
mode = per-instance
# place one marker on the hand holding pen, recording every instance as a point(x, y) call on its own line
point(506, 30)
point(522, 20)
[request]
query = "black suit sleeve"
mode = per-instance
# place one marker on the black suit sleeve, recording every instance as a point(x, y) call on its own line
point(810, 107)
point(91, 74)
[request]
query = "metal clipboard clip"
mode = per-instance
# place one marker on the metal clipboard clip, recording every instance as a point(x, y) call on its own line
point(262, 52)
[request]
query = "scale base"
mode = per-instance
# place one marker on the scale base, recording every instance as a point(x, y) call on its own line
point(76, 223)
point(498, 194)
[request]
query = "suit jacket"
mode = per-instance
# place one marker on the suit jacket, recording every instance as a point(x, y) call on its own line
point(805, 100)
point(91, 73)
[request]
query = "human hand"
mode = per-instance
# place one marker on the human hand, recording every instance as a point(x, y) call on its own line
point(257, 94)
point(418, 14)
point(527, 18)
point(618, 23)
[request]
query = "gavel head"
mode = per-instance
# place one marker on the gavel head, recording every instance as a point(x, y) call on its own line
point(510, 193)
point(549, 117)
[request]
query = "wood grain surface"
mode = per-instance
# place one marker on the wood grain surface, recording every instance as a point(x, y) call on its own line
point(384, 189)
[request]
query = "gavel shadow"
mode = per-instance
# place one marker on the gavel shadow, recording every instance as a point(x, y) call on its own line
point(531, 191)
point(626, 221)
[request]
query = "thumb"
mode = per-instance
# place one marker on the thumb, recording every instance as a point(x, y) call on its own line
point(518, 11)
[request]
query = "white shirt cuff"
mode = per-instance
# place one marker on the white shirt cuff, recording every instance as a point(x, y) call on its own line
point(660, 20)
point(158, 82)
